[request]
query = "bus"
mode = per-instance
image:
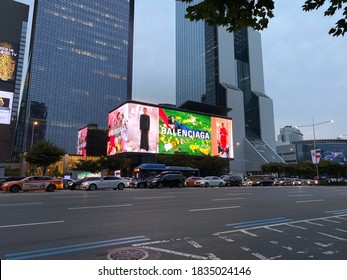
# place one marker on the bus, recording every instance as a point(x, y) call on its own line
point(150, 170)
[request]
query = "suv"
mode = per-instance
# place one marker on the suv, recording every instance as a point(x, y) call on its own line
point(167, 179)
point(232, 181)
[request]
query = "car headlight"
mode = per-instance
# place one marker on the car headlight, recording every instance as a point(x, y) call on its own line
point(84, 184)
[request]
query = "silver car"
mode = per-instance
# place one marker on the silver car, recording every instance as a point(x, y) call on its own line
point(213, 181)
point(106, 182)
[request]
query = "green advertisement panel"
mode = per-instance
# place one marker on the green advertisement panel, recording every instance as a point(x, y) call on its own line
point(184, 133)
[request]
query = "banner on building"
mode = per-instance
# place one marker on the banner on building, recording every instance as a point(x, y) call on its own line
point(315, 155)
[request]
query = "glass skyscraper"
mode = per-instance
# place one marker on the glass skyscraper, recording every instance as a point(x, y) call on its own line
point(80, 69)
point(225, 69)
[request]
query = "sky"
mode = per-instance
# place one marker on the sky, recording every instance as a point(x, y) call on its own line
point(304, 67)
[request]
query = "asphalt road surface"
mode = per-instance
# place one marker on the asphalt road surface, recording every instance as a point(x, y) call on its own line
point(247, 223)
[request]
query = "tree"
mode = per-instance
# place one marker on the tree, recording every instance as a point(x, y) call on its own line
point(237, 14)
point(43, 154)
point(111, 163)
point(88, 165)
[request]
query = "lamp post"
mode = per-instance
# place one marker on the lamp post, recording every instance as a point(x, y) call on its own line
point(313, 125)
point(33, 132)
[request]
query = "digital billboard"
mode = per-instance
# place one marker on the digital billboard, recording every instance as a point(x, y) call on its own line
point(6, 99)
point(82, 141)
point(8, 61)
point(137, 127)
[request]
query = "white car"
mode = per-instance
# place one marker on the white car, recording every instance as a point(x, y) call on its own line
point(213, 181)
point(106, 182)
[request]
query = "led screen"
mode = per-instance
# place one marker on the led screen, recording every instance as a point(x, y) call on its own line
point(141, 128)
point(8, 61)
point(6, 99)
point(82, 141)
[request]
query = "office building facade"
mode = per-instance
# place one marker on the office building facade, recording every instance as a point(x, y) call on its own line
point(80, 69)
point(225, 69)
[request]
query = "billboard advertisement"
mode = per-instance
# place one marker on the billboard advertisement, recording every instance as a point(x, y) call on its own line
point(8, 61)
point(6, 99)
point(82, 141)
point(142, 128)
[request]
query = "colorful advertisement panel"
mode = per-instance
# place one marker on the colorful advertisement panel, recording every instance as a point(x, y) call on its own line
point(82, 141)
point(140, 128)
point(8, 61)
point(6, 99)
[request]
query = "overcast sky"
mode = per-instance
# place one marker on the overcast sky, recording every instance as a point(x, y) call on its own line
point(304, 67)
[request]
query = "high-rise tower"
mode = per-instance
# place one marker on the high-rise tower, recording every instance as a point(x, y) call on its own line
point(80, 69)
point(225, 69)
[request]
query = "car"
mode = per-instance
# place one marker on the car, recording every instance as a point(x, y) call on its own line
point(194, 181)
point(139, 182)
point(232, 180)
point(263, 182)
point(33, 183)
point(167, 179)
point(280, 182)
point(213, 181)
point(75, 185)
point(127, 181)
point(10, 178)
point(66, 182)
point(106, 182)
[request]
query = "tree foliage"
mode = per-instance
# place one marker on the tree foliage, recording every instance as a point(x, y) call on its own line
point(43, 154)
point(237, 14)
point(88, 165)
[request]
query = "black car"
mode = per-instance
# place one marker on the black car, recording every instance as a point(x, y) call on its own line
point(263, 182)
point(232, 181)
point(75, 185)
point(167, 179)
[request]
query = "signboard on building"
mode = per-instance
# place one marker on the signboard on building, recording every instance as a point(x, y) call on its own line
point(136, 127)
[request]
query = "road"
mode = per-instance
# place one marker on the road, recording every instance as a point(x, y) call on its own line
point(246, 223)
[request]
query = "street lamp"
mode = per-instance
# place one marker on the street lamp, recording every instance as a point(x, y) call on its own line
point(313, 125)
point(33, 132)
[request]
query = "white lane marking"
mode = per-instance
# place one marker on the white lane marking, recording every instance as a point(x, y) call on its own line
point(151, 243)
point(331, 221)
point(324, 245)
point(154, 197)
point(289, 225)
point(226, 238)
point(273, 229)
point(192, 256)
point(75, 196)
point(194, 244)
point(240, 194)
point(211, 209)
point(212, 256)
point(32, 224)
point(20, 204)
point(309, 201)
point(312, 223)
point(249, 233)
point(295, 195)
point(234, 198)
point(332, 236)
point(342, 230)
point(309, 221)
point(96, 207)
point(259, 256)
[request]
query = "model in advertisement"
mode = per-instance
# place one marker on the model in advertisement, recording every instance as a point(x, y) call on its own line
point(223, 147)
point(144, 128)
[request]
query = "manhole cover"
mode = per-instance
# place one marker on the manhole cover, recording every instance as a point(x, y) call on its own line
point(128, 253)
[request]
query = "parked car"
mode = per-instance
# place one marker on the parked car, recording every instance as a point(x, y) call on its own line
point(140, 182)
point(33, 183)
point(194, 181)
point(106, 182)
point(280, 182)
point(10, 178)
point(127, 181)
point(213, 181)
point(263, 182)
point(66, 182)
point(232, 181)
point(76, 184)
point(167, 179)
